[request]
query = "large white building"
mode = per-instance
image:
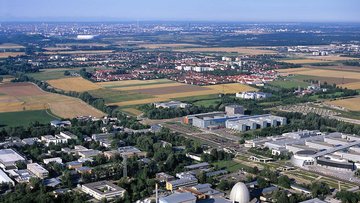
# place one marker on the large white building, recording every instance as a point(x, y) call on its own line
point(240, 193)
point(103, 190)
point(171, 104)
point(246, 123)
point(9, 157)
point(253, 95)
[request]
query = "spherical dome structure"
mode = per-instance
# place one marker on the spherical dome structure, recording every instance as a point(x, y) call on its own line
point(240, 193)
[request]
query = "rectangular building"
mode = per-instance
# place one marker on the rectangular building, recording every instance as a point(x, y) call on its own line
point(246, 123)
point(103, 190)
point(38, 170)
point(9, 157)
point(184, 182)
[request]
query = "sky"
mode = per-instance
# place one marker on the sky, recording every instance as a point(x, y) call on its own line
point(181, 10)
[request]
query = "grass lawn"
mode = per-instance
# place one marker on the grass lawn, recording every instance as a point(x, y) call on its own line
point(289, 84)
point(48, 75)
point(113, 96)
point(230, 165)
point(207, 103)
point(24, 118)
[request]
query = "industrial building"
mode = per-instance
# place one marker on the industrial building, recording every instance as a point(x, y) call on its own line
point(245, 123)
point(186, 197)
point(103, 190)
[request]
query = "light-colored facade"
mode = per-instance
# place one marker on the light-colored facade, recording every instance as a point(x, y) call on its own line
point(38, 170)
point(103, 190)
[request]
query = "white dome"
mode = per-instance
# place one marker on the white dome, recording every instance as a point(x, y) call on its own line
point(240, 193)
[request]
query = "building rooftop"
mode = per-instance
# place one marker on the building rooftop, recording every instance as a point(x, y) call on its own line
point(9, 156)
point(178, 198)
point(199, 165)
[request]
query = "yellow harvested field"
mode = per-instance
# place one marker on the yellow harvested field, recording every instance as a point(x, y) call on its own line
point(130, 82)
point(140, 87)
point(231, 88)
point(77, 84)
point(82, 44)
point(322, 73)
point(242, 50)
point(139, 101)
point(350, 104)
point(15, 97)
point(333, 58)
point(11, 46)
point(12, 54)
point(352, 86)
point(79, 52)
point(211, 89)
point(305, 61)
point(157, 46)
point(132, 111)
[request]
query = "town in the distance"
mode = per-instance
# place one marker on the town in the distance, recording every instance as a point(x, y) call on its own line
point(179, 112)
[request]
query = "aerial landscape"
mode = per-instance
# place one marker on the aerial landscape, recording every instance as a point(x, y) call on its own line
point(159, 101)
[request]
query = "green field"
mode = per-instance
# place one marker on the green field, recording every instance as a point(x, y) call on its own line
point(289, 84)
point(112, 96)
point(24, 118)
point(158, 82)
point(49, 75)
point(230, 165)
point(207, 103)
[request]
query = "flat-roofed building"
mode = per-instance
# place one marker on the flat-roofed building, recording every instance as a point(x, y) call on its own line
point(5, 178)
point(186, 197)
point(103, 190)
point(171, 104)
point(183, 182)
point(164, 177)
point(55, 159)
point(198, 166)
point(89, 153)
point(131, 151)
point(9, 157)
point(318, 145)
point(245, 123)
point(38, 170)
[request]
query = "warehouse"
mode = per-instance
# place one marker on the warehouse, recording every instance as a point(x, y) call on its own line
point(245, 123)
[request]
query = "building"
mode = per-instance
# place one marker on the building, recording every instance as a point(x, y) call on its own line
point(103, 190)
point(253, 95)
point(89, 153)
point(68, 135)
point(164, 177)
point(171, 104)
point(74, 165)
point(30, 141)
point(9, 157)
point(5, 178)
point(130, 151)
point(57, 139)
point(209, 120)
point(203, 191)
point(55, 159)
point(38, 170)
point(58, 123)
point(240, 193)
point(202, 165)
point(183, 182)
point(232, 110)
point(245, 123)
point(186, 197)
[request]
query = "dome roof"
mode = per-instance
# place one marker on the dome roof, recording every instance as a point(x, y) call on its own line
point(240, 193)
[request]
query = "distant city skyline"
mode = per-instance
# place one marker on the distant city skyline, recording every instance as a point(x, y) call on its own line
point(181, 10)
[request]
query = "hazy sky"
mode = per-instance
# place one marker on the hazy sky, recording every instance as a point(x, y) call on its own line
point(219, 10)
